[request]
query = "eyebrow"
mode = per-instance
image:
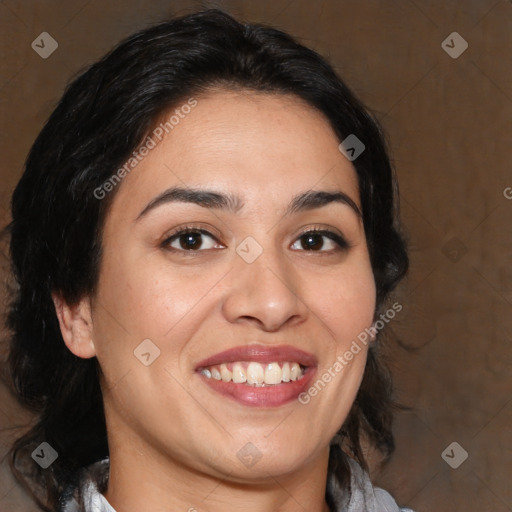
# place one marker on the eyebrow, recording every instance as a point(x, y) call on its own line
point(209, 199)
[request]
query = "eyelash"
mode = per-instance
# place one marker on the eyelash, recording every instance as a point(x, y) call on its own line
point(335, 237)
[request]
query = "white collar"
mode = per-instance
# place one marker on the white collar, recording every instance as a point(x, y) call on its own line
point(92, 499)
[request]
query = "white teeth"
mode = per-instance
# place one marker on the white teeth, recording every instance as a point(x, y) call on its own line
point(286, 372)
point(225, 373)
point(273, 374)
point(294, 371)
point(239, 375)
point(255, 374)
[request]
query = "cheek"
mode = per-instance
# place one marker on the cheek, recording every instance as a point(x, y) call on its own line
point(345, 303)
point(145, 297)
point(142, 297)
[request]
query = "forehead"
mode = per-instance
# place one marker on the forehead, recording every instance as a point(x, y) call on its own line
point(264, 147)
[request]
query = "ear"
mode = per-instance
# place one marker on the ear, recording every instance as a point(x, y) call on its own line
point(76, 326)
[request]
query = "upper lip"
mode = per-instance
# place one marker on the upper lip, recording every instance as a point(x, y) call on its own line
point(261, 354)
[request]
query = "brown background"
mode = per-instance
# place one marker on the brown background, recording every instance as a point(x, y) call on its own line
point(449, 123)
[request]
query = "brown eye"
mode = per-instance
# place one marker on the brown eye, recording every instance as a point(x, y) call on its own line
point(312, 242)
point(320, 241)
point(191, 240)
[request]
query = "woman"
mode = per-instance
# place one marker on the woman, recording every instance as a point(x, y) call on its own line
point(203, 236)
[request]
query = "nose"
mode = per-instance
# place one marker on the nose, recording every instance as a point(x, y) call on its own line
point(265, 292)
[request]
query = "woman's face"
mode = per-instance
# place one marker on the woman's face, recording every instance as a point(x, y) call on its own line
point(249, 274)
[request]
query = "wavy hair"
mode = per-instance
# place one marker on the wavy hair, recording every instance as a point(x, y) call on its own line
point(56, 230)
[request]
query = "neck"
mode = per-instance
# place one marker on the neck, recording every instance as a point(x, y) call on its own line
point(143, 478)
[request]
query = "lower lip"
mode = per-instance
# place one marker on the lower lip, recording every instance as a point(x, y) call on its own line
point(264, 396)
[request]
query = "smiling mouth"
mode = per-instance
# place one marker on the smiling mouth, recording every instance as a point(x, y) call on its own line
point(259, 375)
point(252, 373)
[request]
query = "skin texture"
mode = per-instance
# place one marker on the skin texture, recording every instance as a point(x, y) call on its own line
point(173, 440)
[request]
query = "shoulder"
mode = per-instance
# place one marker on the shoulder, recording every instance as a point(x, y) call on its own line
point(362, 495)
point(86, 495)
